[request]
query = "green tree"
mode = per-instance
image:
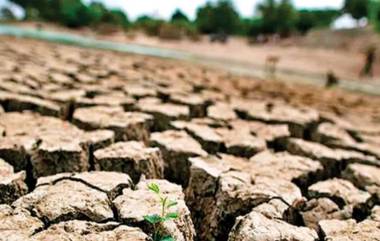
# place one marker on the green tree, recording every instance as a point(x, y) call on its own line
point(6, 14)
point(357, 8)
point(218, 17)
point(268, 12)
point(116, 17)
point(277, 17)
point(96, 11)
point(178, 15)
point(308, 19)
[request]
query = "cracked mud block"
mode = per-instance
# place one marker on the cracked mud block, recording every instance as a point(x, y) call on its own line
point(176, 148)
point(15, 150)
point(126, 125)
point(99, 139)
point(180, 229)
point(5, 168)
point(367, 178)
point(217, 195)
point(66, 95)
point(334, 136)
point(333, 160)
point(342, 192)
point(362, 175)
point(139, 90)
point(196, 103)
point(133, 158)
point(106, 100)
point(298, 119)
point(221, 111)
point(16, 102)
point(208, 137)
point(375, 140)
point(111, 183)
point(67, 199)
point(350, 230)
point(163, 113)
point(329, 158)
point(51, 145)
point(319, 209)
point(59, 153)
point(241, 143)
point(17, 224)
point(256, 227)
point(61, 79)
point(88, 231)
point(375, 214)
point(203, 121)
point(300, 170)
point(12, 185)
point(267, 132)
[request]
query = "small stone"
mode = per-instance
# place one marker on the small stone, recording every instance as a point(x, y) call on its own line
point(133, 158)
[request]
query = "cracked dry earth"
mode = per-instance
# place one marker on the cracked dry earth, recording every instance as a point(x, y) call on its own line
point(84, 131)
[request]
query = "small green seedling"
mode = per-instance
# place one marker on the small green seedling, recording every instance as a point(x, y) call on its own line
point(156, 219)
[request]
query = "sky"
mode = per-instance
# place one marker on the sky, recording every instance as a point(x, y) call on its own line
point(164, 8)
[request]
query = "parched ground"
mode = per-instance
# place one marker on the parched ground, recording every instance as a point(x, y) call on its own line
point(83, 132)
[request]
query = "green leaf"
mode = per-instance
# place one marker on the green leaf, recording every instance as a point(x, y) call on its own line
point(171, 204)
point(171, 216)
point(154, 188)
point(167, 238)
point(153, 219)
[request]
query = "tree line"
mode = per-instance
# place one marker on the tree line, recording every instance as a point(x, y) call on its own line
point(271, 17)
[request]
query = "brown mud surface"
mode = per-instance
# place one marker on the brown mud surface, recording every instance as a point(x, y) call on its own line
point(82, 133)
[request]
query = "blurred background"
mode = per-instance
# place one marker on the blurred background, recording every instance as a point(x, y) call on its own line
point(329, 40)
